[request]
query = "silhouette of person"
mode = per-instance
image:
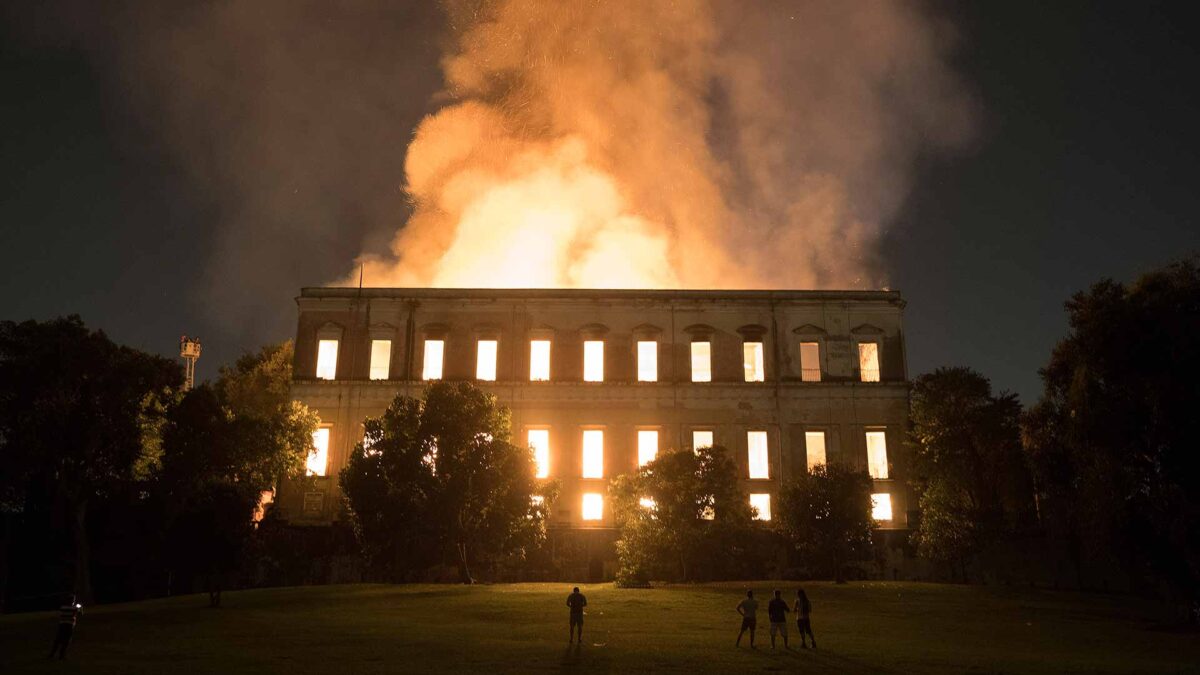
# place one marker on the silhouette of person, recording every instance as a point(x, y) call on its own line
point(777, 610)
point(576, 601)
point(748, 608)
point(803, 622)
point(68, 614)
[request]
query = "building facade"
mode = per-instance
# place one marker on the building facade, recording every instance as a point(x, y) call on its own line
point(600, 381)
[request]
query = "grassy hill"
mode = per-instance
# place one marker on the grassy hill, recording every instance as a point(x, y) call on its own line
point(348, 630)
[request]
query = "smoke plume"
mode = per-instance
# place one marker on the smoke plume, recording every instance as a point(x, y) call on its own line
point(672, 144)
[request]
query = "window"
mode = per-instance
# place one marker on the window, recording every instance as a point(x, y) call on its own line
point(593, 453)
point(327, 359)
point(539, 360)
point(647, 446)
point(368, 444)
point(810, 361)
point(881, 506)
point(648, 503)
point(814, 447)
point(318, 459)
point(762, 504)
point(877, 461)
point(647, 361)
point(593, 361)
point(381, 359)
point(485, 360)
point(539, 440)
point(701, 362)
point(593, 506)
point(752, 361)
point(433, 360)
point(756, 445)
point(702, 439)
point(868, 361)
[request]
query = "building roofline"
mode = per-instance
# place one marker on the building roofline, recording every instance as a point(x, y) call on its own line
point(596, 294)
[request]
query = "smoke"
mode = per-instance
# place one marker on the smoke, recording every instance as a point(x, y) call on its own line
point(668, 143)
point(672, 144)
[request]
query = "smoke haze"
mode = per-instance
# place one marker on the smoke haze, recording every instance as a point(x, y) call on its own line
point(668, 144)
point(662, 144)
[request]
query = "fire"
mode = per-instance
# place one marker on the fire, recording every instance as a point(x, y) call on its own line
point(659, 145)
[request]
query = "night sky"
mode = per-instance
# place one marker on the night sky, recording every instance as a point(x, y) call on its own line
point(1085, 167)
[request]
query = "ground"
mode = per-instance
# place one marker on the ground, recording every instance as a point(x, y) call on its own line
point(861, 627)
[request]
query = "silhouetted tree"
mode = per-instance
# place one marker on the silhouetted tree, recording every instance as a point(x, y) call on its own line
point(699, 516)
point(1113, 441)
point(825, 514)
point(75, 420)
point(443, 470)
point(969, 474)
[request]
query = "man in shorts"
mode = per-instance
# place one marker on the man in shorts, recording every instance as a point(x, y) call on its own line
point(748, 608)
point(576, 601)
point(777, 610)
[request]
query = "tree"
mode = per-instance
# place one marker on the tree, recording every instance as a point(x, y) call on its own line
point(825, 514)
point(223, 445)
point(696, 513)
point(74, 417)
point(969, 474)
point(443, 470)
point(1112, 440)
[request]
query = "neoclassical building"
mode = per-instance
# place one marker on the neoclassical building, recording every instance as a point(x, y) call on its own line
point(600, 381)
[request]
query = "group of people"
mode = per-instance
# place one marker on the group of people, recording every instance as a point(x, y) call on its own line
point(777, 611)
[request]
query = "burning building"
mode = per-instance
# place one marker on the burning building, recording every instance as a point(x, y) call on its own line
point(601, 381)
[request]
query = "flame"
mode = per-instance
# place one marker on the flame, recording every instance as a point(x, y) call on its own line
point(649, 145)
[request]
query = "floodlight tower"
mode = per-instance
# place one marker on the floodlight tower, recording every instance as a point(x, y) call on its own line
point(189, 349)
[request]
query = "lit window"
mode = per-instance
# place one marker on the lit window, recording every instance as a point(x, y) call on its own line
point(814, 447)
point(593, 453)
point(701, 439)
point(877, 461)
point(868, 361)
point(762, 505)
point(648, 503)
point(381, 359)
point(593, 506)
point(881, 506)
point(537, 501)
point(647, 446)
point(433, 360)
point(810, 361)
point(430, 458)
point(647, 361)
point(707, 513)
point(318, 458)
point(485, 360)
point(539, 440)
point(539, 360)
point(752, 361)
point(327, 359)
point(593, 361)
point(701, 362)
point(756, 444)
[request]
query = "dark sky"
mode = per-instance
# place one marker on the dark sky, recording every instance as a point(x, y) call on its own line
point(1085, 167)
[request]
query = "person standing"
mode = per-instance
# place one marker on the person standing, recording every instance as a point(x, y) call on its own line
point(803, 622)
point(576, 601)
point(777, 610)
point(68, 614)
point(748, 608)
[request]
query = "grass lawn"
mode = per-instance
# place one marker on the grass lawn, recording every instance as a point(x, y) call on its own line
point(861, 627)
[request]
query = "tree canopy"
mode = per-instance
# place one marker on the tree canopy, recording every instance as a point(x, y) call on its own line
point(969, 474)
point(1112, 440)
point(682, 516)
point(825, 513)
point(75, 418)
point(440, 475)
